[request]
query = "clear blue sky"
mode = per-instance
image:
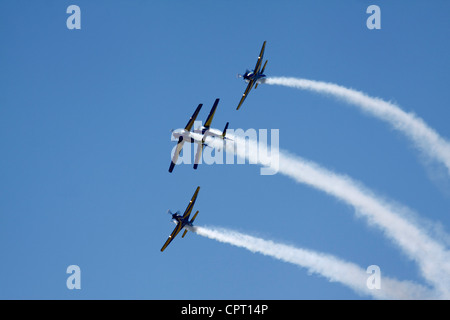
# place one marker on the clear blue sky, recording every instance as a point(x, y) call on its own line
point(85, 119)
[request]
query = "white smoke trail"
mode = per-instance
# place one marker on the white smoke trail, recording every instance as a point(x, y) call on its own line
point(328, 266)
point(427, 140)
point(395, 221)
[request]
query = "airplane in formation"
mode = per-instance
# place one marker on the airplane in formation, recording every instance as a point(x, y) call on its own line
point(182, 220)
point(199, 135)
point(253, 78)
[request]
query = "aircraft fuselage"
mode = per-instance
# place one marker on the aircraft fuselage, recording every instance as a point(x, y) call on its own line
point(198, 135)
point(178, 219)
point(253, 76)
point(189, 136)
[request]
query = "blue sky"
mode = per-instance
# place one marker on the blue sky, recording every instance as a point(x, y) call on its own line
point(85, 119)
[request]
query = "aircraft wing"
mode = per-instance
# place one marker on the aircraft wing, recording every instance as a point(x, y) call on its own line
point(198, 155)
point(172, 236)
point(261, 54)
point(211, 114)
point(177, 153)
point(192, 119)
point(247, 90)
point(191, 203)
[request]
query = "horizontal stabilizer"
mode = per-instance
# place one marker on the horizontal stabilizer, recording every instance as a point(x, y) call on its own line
point(225, 130)
point(264, 67)
point(195, 216)
point(186, 230)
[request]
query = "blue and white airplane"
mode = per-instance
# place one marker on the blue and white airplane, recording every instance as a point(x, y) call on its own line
point(199, 135)
point(253, 78)
point(182, 220)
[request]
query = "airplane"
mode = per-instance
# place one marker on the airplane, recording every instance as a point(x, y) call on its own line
point(182, 220)
point(199, 135)
point(253, 78)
